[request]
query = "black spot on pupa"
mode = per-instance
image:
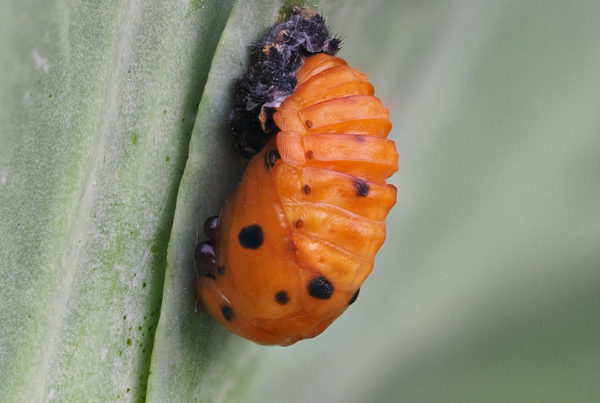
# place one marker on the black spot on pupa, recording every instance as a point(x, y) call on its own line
point(354, 297)
point(221, 270)
point(271, 158)
point(310, 155)
point(281, 297)
point(362, 187)
point(227, 312)
point(319, 287)
point(205, 256)
point(210, 227)
point(307, 189)
point(299, 223)
point(251, 237)
point(308, 123)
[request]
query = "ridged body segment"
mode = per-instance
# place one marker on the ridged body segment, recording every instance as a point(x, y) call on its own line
point(317, 193)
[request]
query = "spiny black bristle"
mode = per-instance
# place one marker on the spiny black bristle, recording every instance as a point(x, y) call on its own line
point(271, 76)
point(334, 45)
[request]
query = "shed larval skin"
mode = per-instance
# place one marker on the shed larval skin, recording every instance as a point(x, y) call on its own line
point(299, 236)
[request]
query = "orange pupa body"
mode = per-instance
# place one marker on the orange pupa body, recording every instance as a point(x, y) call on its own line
point(299, 236)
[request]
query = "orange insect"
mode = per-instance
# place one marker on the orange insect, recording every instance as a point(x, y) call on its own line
point(293, 245)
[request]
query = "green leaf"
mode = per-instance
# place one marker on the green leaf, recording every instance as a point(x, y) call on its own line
point(194, 357)
point(98, 102)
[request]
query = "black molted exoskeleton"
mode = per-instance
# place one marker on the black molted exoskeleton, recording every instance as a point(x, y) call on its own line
point(271, 76)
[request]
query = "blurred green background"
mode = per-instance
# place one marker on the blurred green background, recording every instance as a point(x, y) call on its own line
point(487, 288)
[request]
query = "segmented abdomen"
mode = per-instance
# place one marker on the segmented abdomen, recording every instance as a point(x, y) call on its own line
point(331, 179)
point(299, 236)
